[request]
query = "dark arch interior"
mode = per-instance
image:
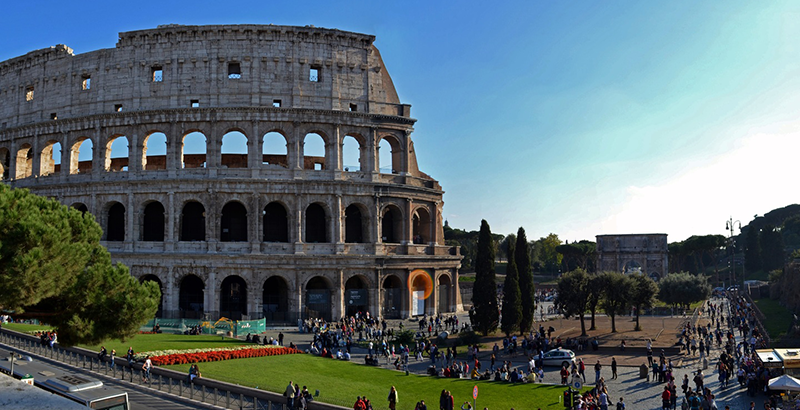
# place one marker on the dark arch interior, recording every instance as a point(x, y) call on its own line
point(233, 299)
point(190, 300)
point(153, 224)
point(318, 299)
point(353, 225)
point(421, 226)
point(275, 300)
point(233, 223)
point(392, 292)
point(315, 224)
point(389, 226)
point(444, 293)
point(81, 207)
point(116, 223)
point(356, 296)
point(276, 224)
point(193, 222)
point(154, 278)
point(5, 160)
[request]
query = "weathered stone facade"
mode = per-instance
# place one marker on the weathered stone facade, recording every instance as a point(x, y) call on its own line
point(244, 234)
point(647, 253)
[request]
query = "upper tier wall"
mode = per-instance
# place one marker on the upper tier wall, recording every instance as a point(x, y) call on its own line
point(208, 66)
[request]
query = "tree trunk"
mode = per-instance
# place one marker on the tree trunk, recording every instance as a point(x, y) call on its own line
point(638, 328)
point(613, 324)
point(593, 327)
point(583, 326)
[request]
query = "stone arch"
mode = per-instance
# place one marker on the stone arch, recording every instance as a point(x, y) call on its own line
point(444, 291)
point(24, 162)
point(154, 151)
point(117, 153)
point(153, 222)
point(233, 153)
point(276, 223)
point(5, 161)
point(193, 222)
point(275, 299)
point(318, 298)
point(353, 153)
point(81, 156)
point(315, 151)
point(80, 207)
point(191, 296)
point(632, 266)
point(233, 222)
point(154, 278)
point(50, 158)
point(316, 226)
point(233, 297)
point(115, 222)
point(194, 148)
point(421, 226)
point(274, 149)
point(391, 224)
point(392, 296)
point(356, 295)
point(391, 162)
point(356, 224)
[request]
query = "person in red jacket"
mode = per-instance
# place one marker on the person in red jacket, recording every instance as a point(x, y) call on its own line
point(666, 402)
point(360, 405)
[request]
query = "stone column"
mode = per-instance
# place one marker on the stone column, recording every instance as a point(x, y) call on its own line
point(334, 150)
point(12, 160)
point(337, 218)
point(294, 148)
point(171, 221)
point(130, 231)
point(65, 150)
point(134, 153)
point(408, 224)
point(210, 303)
point(36, 163)
point(170, 305)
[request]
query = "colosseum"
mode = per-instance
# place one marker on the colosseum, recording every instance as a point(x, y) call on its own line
point(253, 171)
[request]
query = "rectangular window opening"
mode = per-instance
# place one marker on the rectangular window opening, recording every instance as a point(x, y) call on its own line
point(353, 107)
point(158, 74)
point(53, 116)
point(195, 103)
point(86, 84)
point(117, 107)
point(314, 74)
point(29, 94)
point(234, 71)
point(276, 103)
point(317, 166)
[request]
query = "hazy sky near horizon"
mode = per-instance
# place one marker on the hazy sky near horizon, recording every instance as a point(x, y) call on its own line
point(577, 118)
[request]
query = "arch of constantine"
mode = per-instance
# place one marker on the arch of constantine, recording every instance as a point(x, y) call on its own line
point(629, 253)
point(252, 171)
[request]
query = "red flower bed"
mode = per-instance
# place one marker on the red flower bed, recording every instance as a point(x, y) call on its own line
point(213, 356)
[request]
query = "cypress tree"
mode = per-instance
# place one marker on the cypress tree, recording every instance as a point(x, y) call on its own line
point(484, 315)
point(522, 258)
point(512, 305)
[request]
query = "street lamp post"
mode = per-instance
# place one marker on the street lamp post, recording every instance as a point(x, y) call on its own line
point(729, 226)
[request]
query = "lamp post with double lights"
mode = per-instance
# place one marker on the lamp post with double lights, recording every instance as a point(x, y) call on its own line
point(729, 226)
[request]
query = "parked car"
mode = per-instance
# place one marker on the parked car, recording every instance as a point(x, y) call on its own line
point(559, 357)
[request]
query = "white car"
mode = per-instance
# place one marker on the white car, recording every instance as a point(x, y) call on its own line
point(559, 357)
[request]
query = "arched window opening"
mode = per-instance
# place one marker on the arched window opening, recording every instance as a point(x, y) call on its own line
point(421, 225)
point(24, 162)
point(116, 223)
point(50, 158)
point(154, 278)
point(81, 156)
point(353, 225)
point(154, 151)
point(233, 223)
point(318, 298)
point(193, 150)
point(276, 223)
point(190, 300)
point(356, 296)
point(275, 300)
point(392, 294)
point(153, 222)
point(386, 162)
point(444, 293)
point(5, 160)
point(234, 150)
point(419, 285)
point(316, 229)
point(391, 228)
point(193, 222)
point(80, 207)
point(314, 152)
point(233, 298)
point(117, 154)
point(351, 154)
point(273, 151)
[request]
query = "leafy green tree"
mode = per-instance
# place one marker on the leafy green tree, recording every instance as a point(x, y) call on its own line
point(683, 289)
point(772, 252)
point(595, 292)
point(573, 291)
point(643, 294)
point(545, 251)
point(616, 288)
point(53, 268)
point(578, 255)
point(752, 250)
point(522, 258)
point(512, 298)
point(484, 315)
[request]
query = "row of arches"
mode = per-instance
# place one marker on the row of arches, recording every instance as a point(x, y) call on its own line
point(235, 222)
point(317, 302)
point(314, 151)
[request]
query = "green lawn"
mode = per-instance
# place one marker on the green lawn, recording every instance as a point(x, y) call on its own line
point(163, 341)
point(340, 382)
point(24, 328)
point(778, 317)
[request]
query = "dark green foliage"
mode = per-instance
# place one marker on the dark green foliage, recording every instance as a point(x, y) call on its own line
point(404, 337)
point(578, 255)
point(573, 292)
point(772, 253)
point(696, 252)
point(512, 303)
point(522, 256)
point(468, 241)
point(595, 292)
point(53, 268)
point(643, 294)
point(683, 289)
point(545, 254)
point(752, 251)
point(616, 289)
point(485, 316)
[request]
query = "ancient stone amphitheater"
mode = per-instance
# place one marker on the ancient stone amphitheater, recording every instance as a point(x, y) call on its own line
point(251, 170)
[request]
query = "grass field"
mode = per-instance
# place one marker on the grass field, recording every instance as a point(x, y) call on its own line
point(163, 341)
point(24, 328)
point(340, 382)
point(778, 317)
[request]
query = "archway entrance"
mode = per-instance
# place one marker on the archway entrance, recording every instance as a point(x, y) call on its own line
point(421, 289)
point(444, 293)
point(318, 298)
point(190, 301)
point(154, 278)
point(233, 298)
point(275, 300)
point(356, 296)
point(392, 294)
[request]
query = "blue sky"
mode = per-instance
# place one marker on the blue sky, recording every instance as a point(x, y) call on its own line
point(578, 118)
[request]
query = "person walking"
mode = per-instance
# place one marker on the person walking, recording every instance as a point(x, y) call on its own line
point(597, 368)
point(289, 393)
point(148, 365)
point(392, 398)
point(613, 368)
